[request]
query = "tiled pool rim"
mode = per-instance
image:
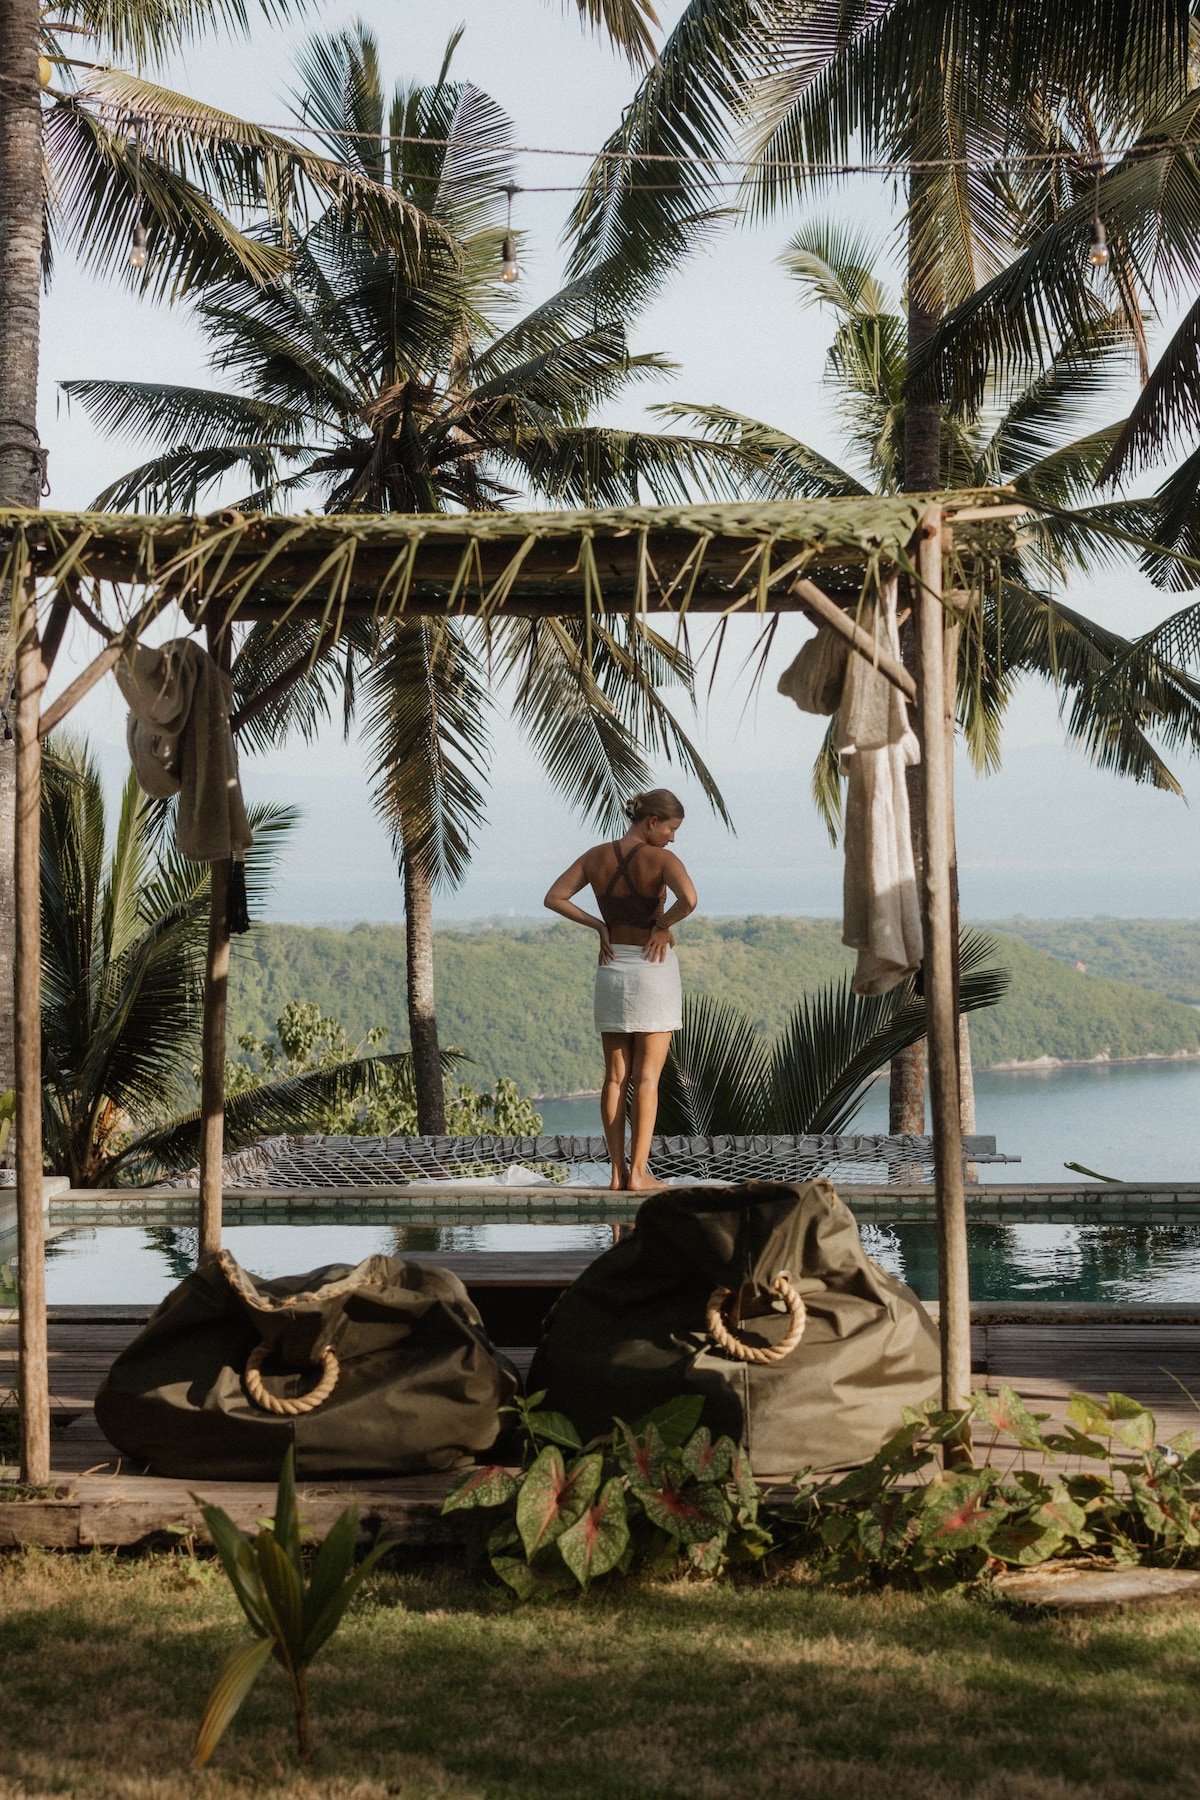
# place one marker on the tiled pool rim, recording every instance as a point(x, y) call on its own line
point(428, 1202)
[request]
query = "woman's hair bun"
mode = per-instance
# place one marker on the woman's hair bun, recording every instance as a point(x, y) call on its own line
point(655, 803)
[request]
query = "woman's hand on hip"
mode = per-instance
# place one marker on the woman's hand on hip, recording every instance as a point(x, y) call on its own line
point(658, 943)
point(606, 949)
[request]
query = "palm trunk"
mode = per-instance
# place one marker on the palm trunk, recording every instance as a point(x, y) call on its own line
point(422, 1009)
point(21, 463)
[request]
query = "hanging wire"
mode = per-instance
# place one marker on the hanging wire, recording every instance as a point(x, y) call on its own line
point(768, 165)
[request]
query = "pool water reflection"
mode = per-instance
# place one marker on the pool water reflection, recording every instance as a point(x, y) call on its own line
point(1123, 1262)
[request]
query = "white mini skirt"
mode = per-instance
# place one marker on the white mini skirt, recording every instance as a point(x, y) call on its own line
point(635, 995)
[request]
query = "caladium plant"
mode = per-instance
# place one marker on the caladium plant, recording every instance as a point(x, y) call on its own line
point(656, 1493)
point(664, 1494)
point(1102, 1487)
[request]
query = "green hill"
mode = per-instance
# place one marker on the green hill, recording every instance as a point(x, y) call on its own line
point(1160, 954)
point(518, 999)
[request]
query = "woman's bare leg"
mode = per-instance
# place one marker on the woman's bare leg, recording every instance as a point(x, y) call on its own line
point(614, 1095)
point(649, 1054)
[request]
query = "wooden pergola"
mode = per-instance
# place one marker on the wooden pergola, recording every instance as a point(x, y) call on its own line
point(119, 572)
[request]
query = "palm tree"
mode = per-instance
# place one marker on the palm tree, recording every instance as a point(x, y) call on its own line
point(724, 1077)
point(938, 89)
point(133, 179)
point(1028, 439)
point(392, 387)
point(123, 940)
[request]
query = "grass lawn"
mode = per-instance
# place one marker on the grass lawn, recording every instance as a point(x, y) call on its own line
point(702, 1693)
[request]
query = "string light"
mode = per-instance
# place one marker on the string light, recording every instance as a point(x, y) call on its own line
point(508, 252)
point(1098, 254)
point(137, 247)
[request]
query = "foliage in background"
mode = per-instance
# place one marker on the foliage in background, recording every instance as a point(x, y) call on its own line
point(307, 1040)
point(291, 1618)
point(723, 1076)
point(519, 997)
point(662, 1496)
point(647, 1496)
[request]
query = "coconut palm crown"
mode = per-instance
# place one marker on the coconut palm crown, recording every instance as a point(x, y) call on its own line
point(383, 385)
point(1029, 440)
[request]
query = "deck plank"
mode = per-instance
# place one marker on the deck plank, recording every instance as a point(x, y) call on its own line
point(1045, 1354)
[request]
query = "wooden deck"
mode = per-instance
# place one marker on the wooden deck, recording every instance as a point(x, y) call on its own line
point(1045, 1351)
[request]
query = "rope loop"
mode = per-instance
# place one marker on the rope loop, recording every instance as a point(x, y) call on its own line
point(733, 1346)
point(304, 1403)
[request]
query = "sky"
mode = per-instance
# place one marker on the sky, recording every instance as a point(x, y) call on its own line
point(1047, 836)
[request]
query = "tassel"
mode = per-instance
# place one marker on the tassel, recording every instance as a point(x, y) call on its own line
point(237, 910)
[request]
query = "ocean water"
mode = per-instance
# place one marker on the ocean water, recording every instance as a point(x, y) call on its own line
point(1131, 1121)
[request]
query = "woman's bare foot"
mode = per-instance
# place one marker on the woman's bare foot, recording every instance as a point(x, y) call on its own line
point(619, 1182)
point(644, 1184)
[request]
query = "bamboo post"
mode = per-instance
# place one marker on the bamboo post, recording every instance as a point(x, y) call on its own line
point(936, 727)
point(31, 1235)
point(212, 1036)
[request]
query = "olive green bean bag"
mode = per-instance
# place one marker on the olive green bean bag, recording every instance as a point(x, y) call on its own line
point(762, 1299)
point(383, 1369)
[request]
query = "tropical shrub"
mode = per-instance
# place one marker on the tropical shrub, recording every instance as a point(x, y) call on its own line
point(291, 1618)
point(723, 1076)
point(1104, 1487)
point(307, 1040)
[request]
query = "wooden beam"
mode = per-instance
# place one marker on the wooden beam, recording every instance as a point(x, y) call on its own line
point(933, 716)
point(31, 1245)
point(83, 684)
point(212, 1033)
point(56, 625)
point(862, 641)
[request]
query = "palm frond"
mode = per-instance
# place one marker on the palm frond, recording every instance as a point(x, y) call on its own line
point(836, 1041)
point(775, 462)
point(717, 1074)
point(1167, 411)
point(426, 716)
point(295, 1104)
point(637, 219)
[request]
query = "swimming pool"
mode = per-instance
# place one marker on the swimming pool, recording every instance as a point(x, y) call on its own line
point(1121, 1262)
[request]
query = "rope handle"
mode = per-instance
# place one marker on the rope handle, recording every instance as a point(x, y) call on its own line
point(304, 1403)
point(733, 1346)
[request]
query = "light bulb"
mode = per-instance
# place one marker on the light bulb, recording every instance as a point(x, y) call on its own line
point(137, 250)
point(1098, 254)
point(508, 260)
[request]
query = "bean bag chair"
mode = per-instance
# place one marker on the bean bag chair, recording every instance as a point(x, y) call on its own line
point(383, 1369)
point(759, 1298)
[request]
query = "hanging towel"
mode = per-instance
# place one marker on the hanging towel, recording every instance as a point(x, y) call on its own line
point(180, 742)
point(815, 678)
point(876, 744)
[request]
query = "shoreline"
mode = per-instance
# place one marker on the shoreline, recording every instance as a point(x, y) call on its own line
point(1032, 1065)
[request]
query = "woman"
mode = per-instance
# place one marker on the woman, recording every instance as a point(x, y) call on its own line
point(638, 1000)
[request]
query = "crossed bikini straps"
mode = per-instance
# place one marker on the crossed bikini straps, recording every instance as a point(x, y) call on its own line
point(647, 904)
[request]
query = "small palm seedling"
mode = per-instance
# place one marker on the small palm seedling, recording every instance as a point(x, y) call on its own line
point(290, 1619)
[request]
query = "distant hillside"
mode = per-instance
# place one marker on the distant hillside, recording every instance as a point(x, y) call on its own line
point(1160, 954)
point(518, 1000)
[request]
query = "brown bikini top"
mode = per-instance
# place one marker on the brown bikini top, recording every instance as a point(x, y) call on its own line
point(642, 911)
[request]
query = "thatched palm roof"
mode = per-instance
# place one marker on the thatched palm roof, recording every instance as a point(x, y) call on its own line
point(702, 558)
